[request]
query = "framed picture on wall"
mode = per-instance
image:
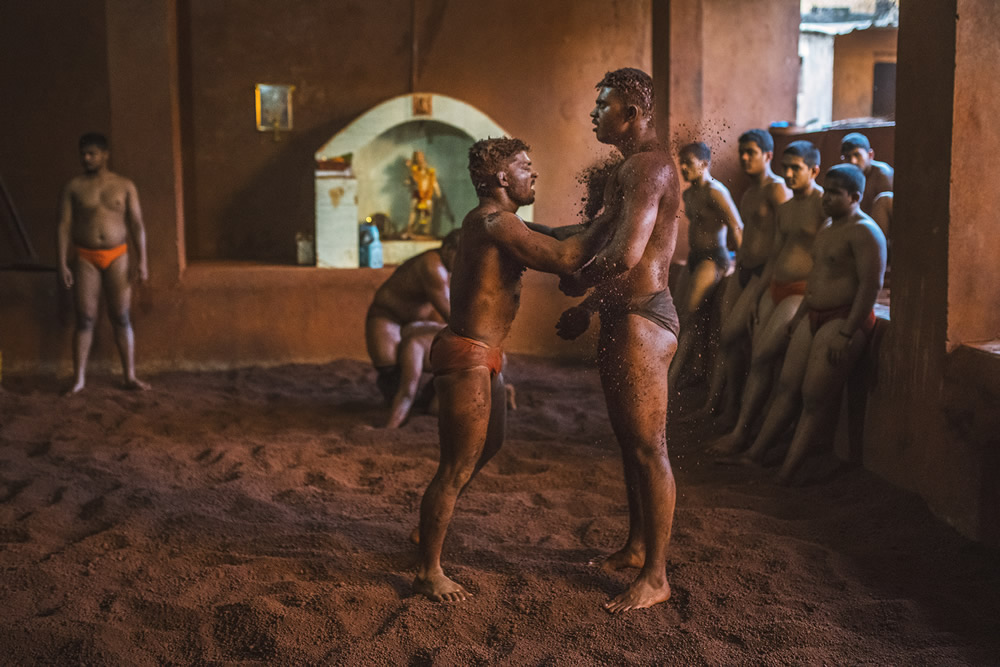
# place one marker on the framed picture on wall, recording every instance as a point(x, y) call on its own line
point(274, 106)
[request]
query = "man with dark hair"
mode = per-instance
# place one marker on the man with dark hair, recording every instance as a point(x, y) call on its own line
point(758, 210)
point(712, 217)
point(857, 150)
point(639, 328)
point(417, 291)
point(782, 285)
point(466, 356)
point(832, 325)
point(99, 216)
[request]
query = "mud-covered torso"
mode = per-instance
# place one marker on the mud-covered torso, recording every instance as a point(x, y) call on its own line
point(99, 209)
point(485, 284)
point(650, 274)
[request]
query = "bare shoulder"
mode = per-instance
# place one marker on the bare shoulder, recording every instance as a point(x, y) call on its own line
point(882, 167)
point(866, 229)
point(124, 183)
point(493, 221)
point(719, 190)
point(775, 191)
point(649, 167)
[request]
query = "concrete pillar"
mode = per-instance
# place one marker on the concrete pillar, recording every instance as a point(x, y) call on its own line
point(945, 286)
point(145, 123)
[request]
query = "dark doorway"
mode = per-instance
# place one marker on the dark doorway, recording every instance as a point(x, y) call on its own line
point(884, 91)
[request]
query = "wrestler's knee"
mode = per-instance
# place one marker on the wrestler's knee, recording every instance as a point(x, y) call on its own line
point(84, 321)
point(121, 319)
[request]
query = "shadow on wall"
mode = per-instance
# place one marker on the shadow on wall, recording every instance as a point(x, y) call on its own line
point(253, 226)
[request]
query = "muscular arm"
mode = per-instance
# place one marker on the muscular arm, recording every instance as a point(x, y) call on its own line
point(133, 218)
point(539, 251)
point(63, 231)
point(558, 233)
point(642, 192)
point(868, 247)
point(723, 201)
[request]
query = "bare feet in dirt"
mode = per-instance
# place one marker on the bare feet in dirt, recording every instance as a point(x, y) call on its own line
point(440, 588)
point(640, 595)
point(75, 389)
point(621, 559)
point(135, 384)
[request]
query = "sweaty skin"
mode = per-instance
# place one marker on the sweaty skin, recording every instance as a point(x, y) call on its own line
point(99, 210)
point(847, 274)
point(798, 221)
point(497, 246)
point(634, 352)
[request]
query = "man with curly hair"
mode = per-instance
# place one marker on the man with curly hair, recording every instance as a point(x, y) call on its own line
point(466, 356)
point(639, 328)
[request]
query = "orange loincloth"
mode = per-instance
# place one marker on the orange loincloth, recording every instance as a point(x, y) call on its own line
point(101, 257)
point(451, 353)
point(781, 291)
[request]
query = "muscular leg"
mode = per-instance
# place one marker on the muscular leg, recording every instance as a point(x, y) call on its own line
point(470, 422)
point(785, 406)
point(119, 292)
point(412, 352)
point(634, 352)
point(769, 344)
point(821, 392)
point(694, 316)
point(382, 337)
point(87, 290)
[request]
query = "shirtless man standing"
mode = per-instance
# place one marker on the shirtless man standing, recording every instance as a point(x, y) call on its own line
point(417, 291)
point(857, 150)
point(712, 215)
point(466, 356)
point(833, 323)
point(782, 285)
point(878, 198)
point(99, 215)
point(758, 210)
point(638, 324)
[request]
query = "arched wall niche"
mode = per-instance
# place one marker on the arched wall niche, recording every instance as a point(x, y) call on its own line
point(360, 171)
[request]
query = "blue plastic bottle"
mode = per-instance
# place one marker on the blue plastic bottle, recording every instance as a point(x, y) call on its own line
point(370, 246)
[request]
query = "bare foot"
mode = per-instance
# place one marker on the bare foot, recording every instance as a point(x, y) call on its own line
point(621, 559)
point(440, 588)
point(75, 389)
point(415, 535)
point(135, 384)
point(640, 595)
point(727, 445)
